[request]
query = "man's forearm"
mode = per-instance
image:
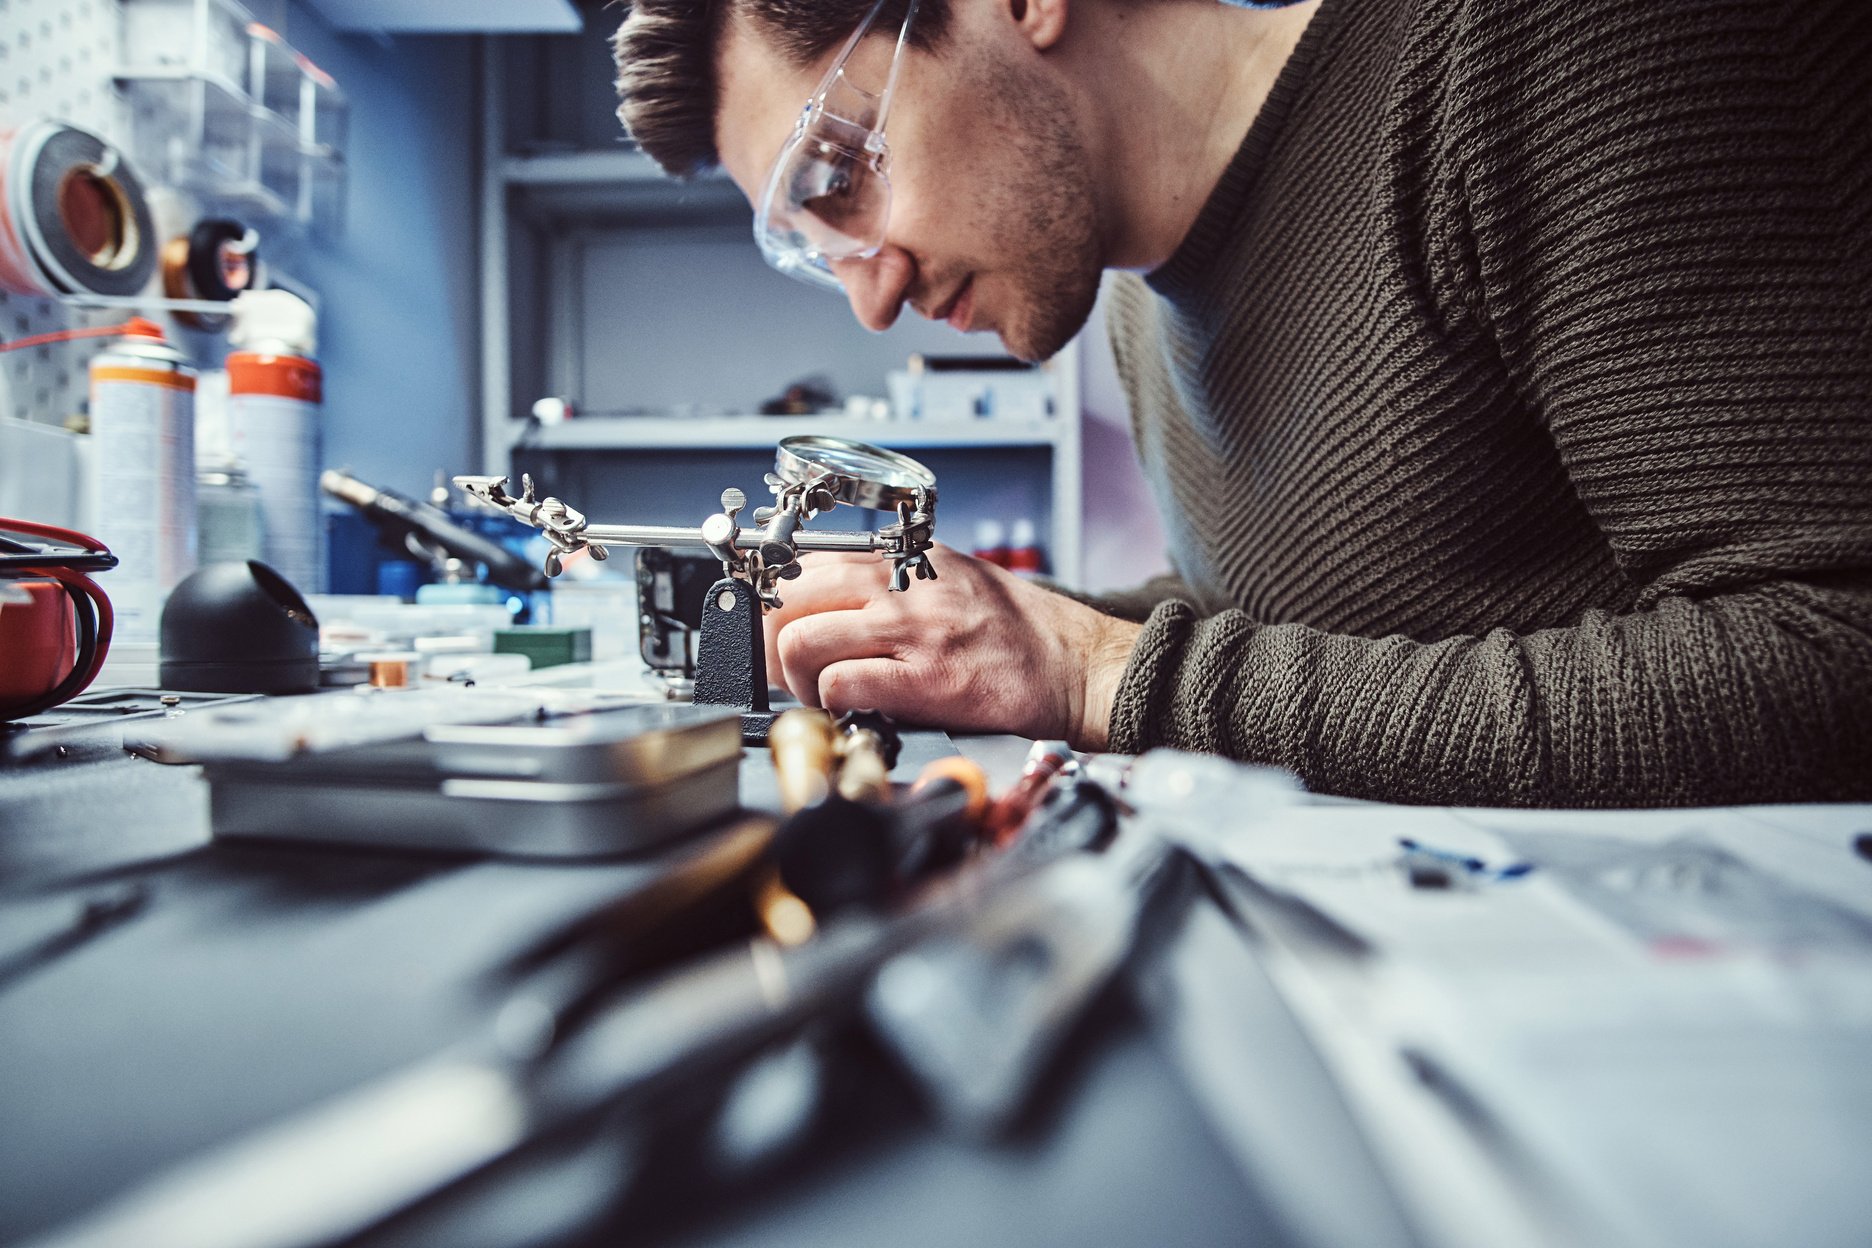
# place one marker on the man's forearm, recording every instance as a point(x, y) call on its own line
point(1756, 696)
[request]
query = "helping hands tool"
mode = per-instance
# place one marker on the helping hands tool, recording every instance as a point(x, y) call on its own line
point(811, 476)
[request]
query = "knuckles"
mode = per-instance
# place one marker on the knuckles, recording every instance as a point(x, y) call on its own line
point(841, 691)
point(791, 647)
point(964, 650)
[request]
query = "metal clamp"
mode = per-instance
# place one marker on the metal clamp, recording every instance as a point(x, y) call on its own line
point(811, 476)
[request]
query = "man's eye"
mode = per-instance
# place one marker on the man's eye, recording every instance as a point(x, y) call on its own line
point(833, 197)
point(822, 181)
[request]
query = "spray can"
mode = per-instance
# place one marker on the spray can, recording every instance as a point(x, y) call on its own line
point(274, 390)
point(143, 472)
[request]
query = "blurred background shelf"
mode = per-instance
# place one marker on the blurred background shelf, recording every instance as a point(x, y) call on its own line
point(626, 164)
point(222, 106)
point(762, 432)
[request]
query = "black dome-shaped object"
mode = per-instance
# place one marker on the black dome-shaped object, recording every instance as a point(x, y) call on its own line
point(239, 628)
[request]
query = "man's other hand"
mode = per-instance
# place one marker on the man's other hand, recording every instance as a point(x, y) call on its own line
point(977, 649)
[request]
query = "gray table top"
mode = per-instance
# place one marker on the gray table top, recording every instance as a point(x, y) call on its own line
point(1710, 972)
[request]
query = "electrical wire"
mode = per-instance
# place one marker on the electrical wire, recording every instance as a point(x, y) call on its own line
point(65, 335)
point(91, 608)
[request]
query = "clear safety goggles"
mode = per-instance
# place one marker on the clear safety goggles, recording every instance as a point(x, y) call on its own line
point(828, 196)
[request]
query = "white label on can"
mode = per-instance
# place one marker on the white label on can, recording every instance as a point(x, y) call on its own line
point(143, 487)
point(277, 439)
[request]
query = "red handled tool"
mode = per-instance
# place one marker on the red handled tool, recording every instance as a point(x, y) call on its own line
point(60, 634)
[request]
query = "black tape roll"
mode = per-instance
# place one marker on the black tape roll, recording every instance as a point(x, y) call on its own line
point(204, 259)
point(71, 153)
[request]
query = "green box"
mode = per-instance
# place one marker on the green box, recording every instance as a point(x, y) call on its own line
point(545, 645)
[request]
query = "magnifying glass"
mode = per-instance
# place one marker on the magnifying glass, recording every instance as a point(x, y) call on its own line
point(865, 475)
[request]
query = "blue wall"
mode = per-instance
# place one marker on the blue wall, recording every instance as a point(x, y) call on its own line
point(398, 327)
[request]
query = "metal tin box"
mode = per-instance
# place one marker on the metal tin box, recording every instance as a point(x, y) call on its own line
point(604, 783)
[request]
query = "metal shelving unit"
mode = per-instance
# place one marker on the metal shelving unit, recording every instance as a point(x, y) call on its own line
point(222, 106)
point(626, 165)
point(754, 432)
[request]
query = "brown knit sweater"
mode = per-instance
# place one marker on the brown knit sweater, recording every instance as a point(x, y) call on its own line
point(1510, 404)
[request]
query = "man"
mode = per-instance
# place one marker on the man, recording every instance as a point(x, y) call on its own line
point(1504, 370)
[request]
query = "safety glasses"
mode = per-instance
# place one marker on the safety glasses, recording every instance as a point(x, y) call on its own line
point(828, 196)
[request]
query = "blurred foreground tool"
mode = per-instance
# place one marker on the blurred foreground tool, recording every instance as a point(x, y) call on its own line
point(979, 1014)
point(842, 853)
point(845, 842)
point(868, 747)
point(834, 848)
point(939, 821)
point(696, 904)
point(814, 756)
point(557, 1056)
point(1044, 761)
point(804, 745)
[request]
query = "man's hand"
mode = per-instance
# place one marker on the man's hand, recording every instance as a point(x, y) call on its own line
point(977, 649)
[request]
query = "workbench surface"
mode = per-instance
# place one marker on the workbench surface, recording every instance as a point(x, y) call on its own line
point(1643, 1027)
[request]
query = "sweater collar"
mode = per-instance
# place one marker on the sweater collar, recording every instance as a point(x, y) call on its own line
point(1214, 226)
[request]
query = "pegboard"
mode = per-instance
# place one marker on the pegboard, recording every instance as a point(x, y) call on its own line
point(57, 58)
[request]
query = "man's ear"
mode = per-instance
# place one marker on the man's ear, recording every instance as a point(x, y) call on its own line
point(1041, 22)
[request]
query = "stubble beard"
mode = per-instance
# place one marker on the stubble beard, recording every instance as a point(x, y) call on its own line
point(1053, 200)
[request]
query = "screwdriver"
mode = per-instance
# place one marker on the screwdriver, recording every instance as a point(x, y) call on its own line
point(941, 818)
point(804, 746)
point(868, 746)
point(1044, 761)
point(696, 903)
point(843, 853)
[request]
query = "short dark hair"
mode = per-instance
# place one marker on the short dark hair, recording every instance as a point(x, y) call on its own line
point(666, 52)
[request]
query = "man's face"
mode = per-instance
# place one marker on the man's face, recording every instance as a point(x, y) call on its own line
point(993, 221)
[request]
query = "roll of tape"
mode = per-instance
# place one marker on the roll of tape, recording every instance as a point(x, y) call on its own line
point(223, 259)
point(216, 261)
point(73, 216)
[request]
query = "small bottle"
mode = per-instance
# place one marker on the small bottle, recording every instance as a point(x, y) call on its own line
point(990, 543)
point(227, 507)
point(1024, 557)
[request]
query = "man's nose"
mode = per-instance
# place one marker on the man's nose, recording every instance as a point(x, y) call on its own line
point(877, 286)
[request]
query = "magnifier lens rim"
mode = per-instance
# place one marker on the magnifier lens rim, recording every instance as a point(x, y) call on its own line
point(875, 475)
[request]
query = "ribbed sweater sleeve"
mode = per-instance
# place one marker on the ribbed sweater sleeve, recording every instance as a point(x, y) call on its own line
point(1655, 214)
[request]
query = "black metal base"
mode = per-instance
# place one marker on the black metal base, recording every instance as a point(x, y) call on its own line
point(731, 658)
